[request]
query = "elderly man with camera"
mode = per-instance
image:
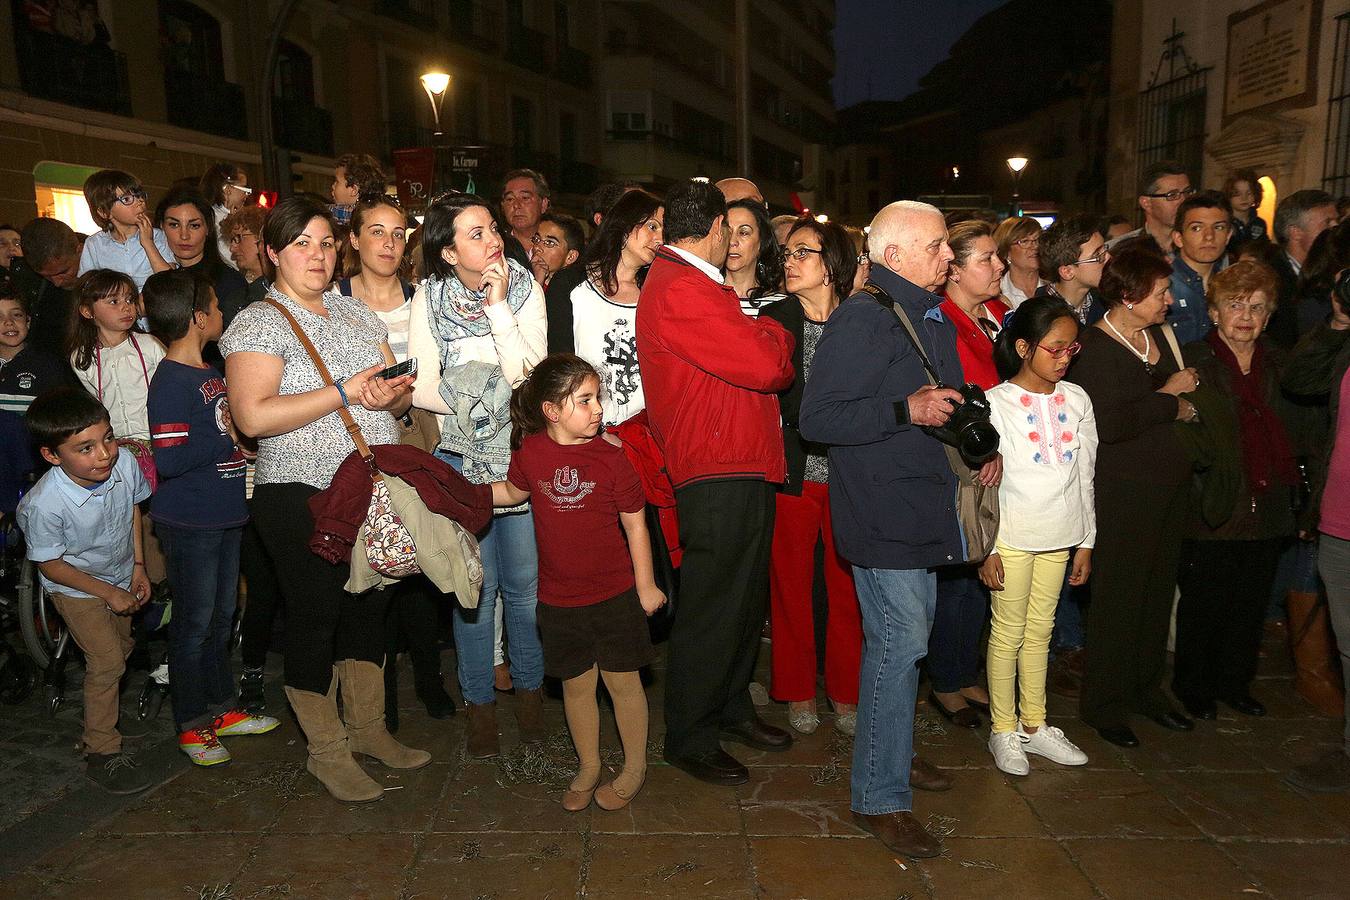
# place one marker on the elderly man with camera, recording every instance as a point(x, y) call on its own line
point(872, 399)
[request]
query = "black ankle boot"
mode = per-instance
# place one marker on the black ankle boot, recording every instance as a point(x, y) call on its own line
point(431, 691)
point(390, 698)
point(251, 694)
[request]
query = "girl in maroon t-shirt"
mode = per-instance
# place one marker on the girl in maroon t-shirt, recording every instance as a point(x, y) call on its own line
point(596, 586)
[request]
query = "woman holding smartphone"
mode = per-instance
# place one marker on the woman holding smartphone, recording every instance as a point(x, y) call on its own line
point(373, 254)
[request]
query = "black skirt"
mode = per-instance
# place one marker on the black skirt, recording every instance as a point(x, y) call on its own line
point(612, 634)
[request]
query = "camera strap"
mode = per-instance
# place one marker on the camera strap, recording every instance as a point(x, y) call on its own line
point(885, 299)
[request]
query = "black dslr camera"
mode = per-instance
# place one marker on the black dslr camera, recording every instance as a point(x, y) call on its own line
point(969, 429)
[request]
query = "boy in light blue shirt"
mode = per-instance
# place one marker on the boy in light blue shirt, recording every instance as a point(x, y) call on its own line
point(81, 527)
point(128, 242)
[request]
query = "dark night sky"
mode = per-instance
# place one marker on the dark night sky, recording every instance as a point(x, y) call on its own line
point(883, 47)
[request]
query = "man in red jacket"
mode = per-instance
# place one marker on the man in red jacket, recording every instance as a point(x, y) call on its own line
point(710, 376)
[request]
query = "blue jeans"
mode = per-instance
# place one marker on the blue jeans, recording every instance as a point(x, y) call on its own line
point(897, 615)
point(954, 645)
point(511, 569)
point(203, 569)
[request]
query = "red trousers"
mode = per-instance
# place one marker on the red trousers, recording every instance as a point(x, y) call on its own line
point(799, 522)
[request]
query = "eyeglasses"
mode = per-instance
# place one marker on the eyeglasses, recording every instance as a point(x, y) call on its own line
point(551, 243)
point(800, 253)
point(1100, 256)
point(130, 197)
point(1173, 195)
point(239, 187)
point(238, 237)
point(1237, 307)
point(1061, 352)
point(1028, 243)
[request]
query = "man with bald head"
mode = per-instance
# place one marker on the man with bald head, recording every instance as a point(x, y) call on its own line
point(892, 497)
point(739, 189)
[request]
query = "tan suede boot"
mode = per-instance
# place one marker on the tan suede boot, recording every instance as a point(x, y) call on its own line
point(483, 740)
point(330, 759)
point(363, 712)
point(530, 715)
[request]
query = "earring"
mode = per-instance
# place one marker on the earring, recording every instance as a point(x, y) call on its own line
point(1129, 306)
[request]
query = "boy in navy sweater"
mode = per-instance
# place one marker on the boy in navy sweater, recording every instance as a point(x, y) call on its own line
point(199, 514)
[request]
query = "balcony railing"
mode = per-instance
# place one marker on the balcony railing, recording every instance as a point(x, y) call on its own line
point(574, 66)
point(216, 107)
point(302, 126)
point(475, 24)
point(57, 68)
point(421, 13)
point(527, 47)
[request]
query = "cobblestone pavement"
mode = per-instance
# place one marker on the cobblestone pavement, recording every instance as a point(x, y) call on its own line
point(1185, 815)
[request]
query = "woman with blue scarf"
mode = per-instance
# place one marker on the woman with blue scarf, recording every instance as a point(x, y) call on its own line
point(478, 326)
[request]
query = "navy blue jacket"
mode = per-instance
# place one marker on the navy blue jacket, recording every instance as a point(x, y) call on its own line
point(892, 493)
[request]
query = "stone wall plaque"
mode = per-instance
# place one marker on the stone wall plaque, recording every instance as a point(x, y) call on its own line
point(1272, 56)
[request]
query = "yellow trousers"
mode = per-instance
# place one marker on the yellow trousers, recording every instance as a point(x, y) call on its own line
point(1019, 635)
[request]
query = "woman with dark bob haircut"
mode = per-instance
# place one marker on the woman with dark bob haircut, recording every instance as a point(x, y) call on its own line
point(754, 265)
point(1130, 368)
point(478, 326)
point(819, 263)
point(277, 395)
point(604, 305)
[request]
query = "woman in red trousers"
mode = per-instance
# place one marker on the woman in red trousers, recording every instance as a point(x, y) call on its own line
point(819, 263)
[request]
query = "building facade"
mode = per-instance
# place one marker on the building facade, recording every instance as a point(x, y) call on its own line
point(582, 90)
point(670, 92)
point(1227, 85)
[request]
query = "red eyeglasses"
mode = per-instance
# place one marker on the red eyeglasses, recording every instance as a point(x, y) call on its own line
point(1060, 353)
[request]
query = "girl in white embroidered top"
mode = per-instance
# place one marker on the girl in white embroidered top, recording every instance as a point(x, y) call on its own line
point(1048, 437)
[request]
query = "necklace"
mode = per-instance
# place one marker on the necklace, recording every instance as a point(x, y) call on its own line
point(1148, 346)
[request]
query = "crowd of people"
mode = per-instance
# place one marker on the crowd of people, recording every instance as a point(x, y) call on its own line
point(680, 410)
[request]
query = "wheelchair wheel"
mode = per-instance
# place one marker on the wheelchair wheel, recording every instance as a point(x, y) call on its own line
point(39, 622)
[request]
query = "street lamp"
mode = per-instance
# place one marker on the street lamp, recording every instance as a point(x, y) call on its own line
point(1015, 165)
point(435, 84)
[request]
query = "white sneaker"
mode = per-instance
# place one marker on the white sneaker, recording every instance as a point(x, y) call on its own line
point(1009, 755)
point(1050, 742)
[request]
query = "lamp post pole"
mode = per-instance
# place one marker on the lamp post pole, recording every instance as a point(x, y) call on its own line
point(1015, 165)
point(266, 135)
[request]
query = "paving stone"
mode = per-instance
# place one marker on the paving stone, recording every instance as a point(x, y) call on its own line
point(832, 869)
point(480, 798)
point(1131, 867)
point(1296, 870)
point(678, 867)
point(409, 804)
point(136, 867)
point(237, 797)
point(1107, 804)
point(1228, 805)
point(797, 800)
point(1006, 867)
point(456, 866)
point(350, 866)
point(672, 802)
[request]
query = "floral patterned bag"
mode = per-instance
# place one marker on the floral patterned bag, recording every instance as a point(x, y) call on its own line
point(390, 548)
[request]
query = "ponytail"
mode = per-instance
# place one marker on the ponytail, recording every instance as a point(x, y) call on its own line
point(1031, 322)
point(552, 381)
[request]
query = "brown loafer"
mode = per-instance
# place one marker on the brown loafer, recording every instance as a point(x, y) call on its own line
point(925, 776)
point(901, 832)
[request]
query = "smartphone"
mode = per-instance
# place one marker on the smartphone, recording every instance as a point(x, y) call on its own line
point(407, 367)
